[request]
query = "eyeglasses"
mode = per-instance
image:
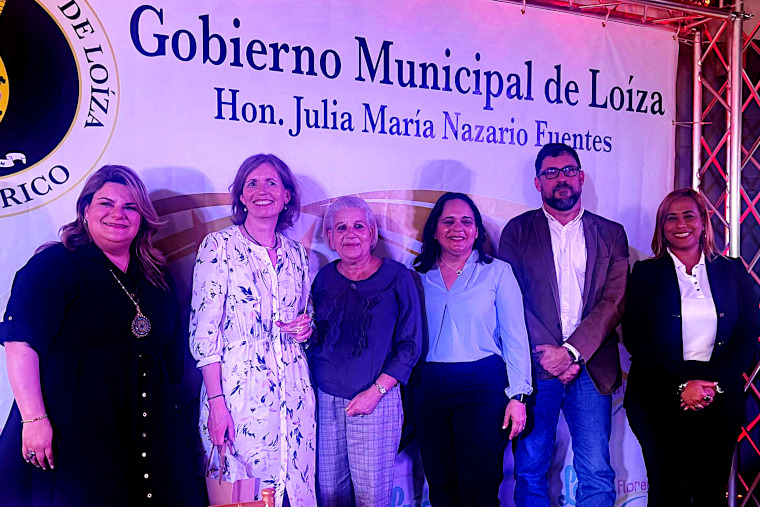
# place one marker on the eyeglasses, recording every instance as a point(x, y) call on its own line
point(551, 173)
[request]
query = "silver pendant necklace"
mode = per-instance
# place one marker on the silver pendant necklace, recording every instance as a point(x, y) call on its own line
point(457, 271)
point(140, 324)
point(257, 241)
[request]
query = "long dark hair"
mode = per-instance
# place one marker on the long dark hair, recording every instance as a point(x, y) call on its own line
point(431, 249)
point(150, 260)
point(292, 208)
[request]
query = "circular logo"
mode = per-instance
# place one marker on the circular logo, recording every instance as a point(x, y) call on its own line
point(59, 97)
point(5, 89)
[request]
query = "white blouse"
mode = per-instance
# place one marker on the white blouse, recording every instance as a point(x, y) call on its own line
point(699, 319)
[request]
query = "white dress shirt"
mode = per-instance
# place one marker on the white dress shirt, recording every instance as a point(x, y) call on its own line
point(569, 252)
point(699, 320)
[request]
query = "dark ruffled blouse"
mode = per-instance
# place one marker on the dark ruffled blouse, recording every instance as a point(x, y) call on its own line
point(364, 328)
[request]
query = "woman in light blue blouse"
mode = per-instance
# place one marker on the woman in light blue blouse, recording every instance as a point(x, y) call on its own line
point(468, 388)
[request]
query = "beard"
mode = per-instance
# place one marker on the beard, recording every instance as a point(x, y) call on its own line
point(562, 203)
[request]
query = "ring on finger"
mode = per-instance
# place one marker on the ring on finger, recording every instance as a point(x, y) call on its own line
point(707, 398)
point(30, 454)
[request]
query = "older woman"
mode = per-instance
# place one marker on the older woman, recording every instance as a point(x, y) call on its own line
point(470, 387)
point(691, 326)
point(93, 342)
point(370, 329)
point(248, 319)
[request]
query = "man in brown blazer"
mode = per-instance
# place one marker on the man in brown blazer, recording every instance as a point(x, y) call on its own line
point(572, 267)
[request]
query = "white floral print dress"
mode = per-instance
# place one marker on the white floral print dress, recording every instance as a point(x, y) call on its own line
point(237, 296)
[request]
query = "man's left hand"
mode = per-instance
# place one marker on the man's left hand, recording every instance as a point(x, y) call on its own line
point(555, 360)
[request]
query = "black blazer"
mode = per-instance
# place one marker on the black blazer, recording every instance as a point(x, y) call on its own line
point(652, 331)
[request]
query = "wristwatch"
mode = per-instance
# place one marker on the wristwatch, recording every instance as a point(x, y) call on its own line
point(522, 398)
point(572, 355)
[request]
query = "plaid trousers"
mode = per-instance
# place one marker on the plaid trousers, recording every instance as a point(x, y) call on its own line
point(357, 451)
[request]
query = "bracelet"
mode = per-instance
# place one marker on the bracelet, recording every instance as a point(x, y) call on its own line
point(43, 416)
point(215, 396)
point(681, 387)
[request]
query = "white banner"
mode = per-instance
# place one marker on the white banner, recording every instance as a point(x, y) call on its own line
point(397, 101)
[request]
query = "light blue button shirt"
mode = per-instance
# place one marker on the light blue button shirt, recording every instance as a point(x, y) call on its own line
point(482, 314)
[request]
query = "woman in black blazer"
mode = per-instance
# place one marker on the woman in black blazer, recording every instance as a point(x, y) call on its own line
point(691, 326)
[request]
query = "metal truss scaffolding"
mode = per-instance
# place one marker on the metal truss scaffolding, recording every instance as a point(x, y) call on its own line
point(726, 170)
point(725, 152)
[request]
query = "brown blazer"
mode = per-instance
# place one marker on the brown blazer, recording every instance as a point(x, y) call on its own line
point(526, 244)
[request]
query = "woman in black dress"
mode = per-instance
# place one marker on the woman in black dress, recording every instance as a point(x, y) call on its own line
point(93, 344)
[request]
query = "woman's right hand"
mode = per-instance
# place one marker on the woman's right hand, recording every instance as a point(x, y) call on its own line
point(220, 423)
point(37, 438)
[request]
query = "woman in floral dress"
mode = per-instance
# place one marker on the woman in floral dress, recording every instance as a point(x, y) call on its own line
point(249, 316)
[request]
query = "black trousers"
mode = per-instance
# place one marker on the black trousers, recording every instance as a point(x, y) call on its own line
point(458, 411)
point(687, 454)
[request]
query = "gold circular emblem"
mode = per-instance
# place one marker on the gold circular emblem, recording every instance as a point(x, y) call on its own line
point(5, 89)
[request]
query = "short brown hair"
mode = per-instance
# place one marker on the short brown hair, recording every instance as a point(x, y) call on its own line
point(293, 209)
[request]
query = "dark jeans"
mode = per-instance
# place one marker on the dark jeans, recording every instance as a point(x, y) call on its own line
point(458, 410)
point(588, 415)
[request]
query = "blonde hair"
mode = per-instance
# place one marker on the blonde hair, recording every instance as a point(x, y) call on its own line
point(151, 261)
